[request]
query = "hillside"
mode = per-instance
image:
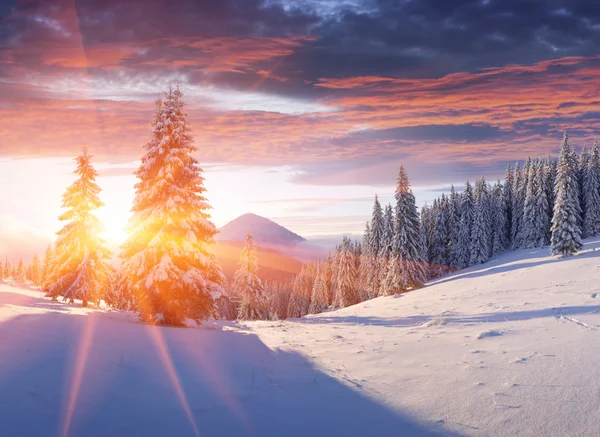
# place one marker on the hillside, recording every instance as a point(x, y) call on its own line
point(508, 348)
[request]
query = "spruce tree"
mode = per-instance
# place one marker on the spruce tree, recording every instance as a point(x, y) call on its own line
point(566, 233)
point(2, 271)
point(481, 230)
point(7, 269)
point(439, 242)
point(36, 271)
point(248, 285)
point(584, 158)
point(508, 204)
point(387, 243)
point(47, 268)
point(591, 222)
point(542, 207)
point(319, 300)
point(517, 206)
point(528, 235)
point(408, 245)
point(376, 240)
point(168, 260)
point(365, 264)
point(347, 275)
point(80, 268)
point(499, 219)
point(21, 275)
point(454, 212)
point(466, 224)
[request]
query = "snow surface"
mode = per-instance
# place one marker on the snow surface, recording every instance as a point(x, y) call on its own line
point(508, 348)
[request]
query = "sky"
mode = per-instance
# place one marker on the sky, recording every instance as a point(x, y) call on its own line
point(302, 110)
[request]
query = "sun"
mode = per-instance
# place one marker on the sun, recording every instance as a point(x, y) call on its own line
point(115, 222)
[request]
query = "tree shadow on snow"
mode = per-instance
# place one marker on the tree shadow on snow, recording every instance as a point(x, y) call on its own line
point(501, 265)
point(454, 318)
point(123, 379)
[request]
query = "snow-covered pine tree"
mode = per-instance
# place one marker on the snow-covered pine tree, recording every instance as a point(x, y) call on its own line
point(481, 229)
point(365, 264)
point(566, 233)
point(517, 205)
point(508, 204)
point(7, 269)
point(319, 300)
point(584, 158)
point(2, 271)
point(467, 208)
point(299, 300)
point(499, 219)
point(168, 259)
point(542, 208)
point(348, 293)
point(47, 266)
point(439, 242)
point(408, 244)
point(80, 268)
point(376, 238)
point(454, 212)
point(36, 271)
point(528, 235)
point(426, 230)
point(591, 221)
point(387, 242)
point(21, 275)
point(248, 285)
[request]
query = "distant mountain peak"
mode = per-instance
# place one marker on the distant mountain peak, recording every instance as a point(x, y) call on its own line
point(263, 230)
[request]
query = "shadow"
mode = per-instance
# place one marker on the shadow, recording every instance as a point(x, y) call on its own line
point(500, 264)
point(452, 318)
point(231, 382)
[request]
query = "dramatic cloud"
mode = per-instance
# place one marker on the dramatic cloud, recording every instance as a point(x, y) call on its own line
point(341, 90)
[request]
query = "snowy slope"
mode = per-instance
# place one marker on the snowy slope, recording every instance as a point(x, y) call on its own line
point(509, 348)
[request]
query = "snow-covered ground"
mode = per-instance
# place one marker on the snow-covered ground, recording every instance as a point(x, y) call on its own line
point(510, 348)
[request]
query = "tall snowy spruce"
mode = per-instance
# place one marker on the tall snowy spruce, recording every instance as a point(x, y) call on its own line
point(407, 267)
point(463, 251)
point(386, 249)
point(454, 227)
point(80, 268)
point(248, 285)
point(591, 221)
point(374, 245)
point(518, 201)
point(481, 229)
point(440, 239)
point(499, 219)
point(347, 275)
point(319, 301)
point(566, 232)
point(168, 260)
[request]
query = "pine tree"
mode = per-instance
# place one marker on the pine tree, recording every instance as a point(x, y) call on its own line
point(300, 298)
point(463, 252)
point(500, 220)
point(36, 271)
point(454, 212)
point(168, 259)
point(47, 268)
point(481, 230)
point(387, 243)
point(365, 264)
point(2, 278)
point(529, 237)
point(591, 222)
point(439, 242)
point(542, 207)
point(375, 243)
point(248, 285)
point(517, 205)
point(21, 274)
point(508, 204)
point(584, 158)
point(80, 269)
point(348, 293)
point(7, 269)
point(566, 233)
point(319, 301)
point(408, 245)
